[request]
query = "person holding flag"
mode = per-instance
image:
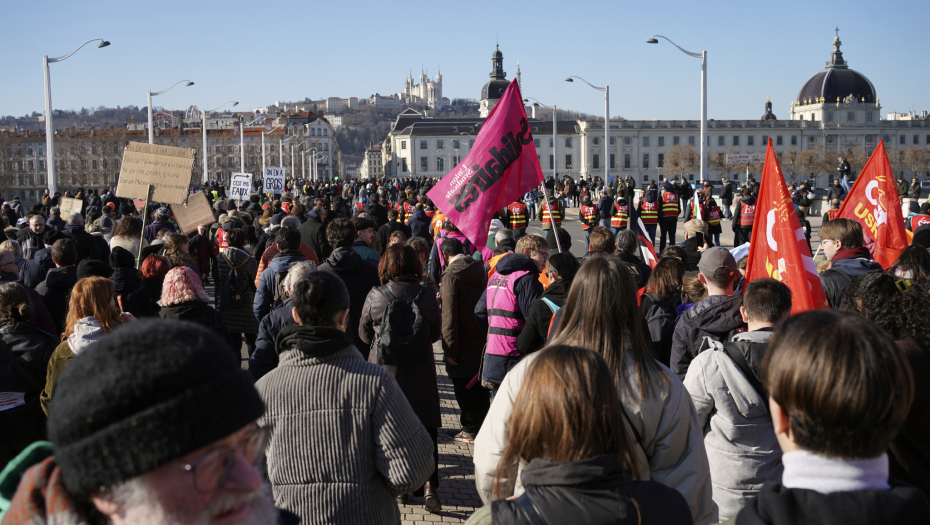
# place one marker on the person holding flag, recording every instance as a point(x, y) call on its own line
point(668, 222)
point(779, 249)
point(745, 217)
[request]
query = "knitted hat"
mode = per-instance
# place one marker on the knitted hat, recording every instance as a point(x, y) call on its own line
point(121, 258)
point(148, 394)
point(181, 285)
point(92, 268)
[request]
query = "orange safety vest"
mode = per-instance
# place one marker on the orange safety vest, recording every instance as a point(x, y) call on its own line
point(517, 215)
point(670, 205)
point(747, 215)
point(650, 212)
point(556, 213)
point(408, 211)
point(622, 216)
point(590, 214)
point(399, 208)
point(438, 221)
point(713, 216)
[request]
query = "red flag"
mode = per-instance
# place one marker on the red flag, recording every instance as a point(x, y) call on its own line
point(502, 166)
point(779, 248)
point(873, 202)
point(646, 248)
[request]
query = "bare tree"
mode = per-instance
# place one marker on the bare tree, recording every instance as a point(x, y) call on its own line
point(916, 160)
point(792, 164)
point(680, 160)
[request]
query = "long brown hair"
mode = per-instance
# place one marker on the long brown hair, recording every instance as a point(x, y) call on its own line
point(665, 279)
point(399, 260)
point(601, 314)
point(568, 409)
point(93, 297)
point(173, 252)
point(128, 227)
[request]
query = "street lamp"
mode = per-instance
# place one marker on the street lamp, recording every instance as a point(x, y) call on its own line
point(263, 146)
point(606, 90)
point(150, 95)
point(321, 155)
point(49, 128)
point(292, 155)
point(281, 149)
point(555, 159)
point(203, 120)
point(703, 56)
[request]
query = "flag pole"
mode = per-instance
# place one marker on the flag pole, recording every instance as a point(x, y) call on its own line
point(555, 226)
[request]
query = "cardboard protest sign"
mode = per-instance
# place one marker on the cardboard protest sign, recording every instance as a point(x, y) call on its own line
point(274, 180)
point(166, 168)
point(240, 186)
point(192, 214)
point(68, 206)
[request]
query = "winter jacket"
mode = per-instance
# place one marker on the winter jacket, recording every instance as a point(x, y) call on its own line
point(726, 194)
point(272, 250)
point(344, 441)
point(463, 283)
point(151, 231)
point(265, 240)
point(265, 291)
point(536, 330)
point(87, 331)
point(436, 259)
point(56, 293)
point(144, 301)
point(838, 192)
point(30, 243)
point(914, 191)
point(715, 317)
point(418, 382)
point(670, 447)
point(23, 419)
point(238, 319)
point(748, 200)
point(835, 283)
point(85, 246)
point(378, 214)
point(313, 234)
point(605, 207)
point(421, 226)
point(36, 269)
point(641, 267)
point(55, 223)
point(527, 290)
point(366, 252)
point(593, 491)
point(694, 256)
point(359, 277)
point(738, 434)
point(265, 357)
point(204, 315)
point(127, 280)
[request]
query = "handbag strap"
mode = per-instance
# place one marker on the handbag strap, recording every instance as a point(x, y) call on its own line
point(18, 367)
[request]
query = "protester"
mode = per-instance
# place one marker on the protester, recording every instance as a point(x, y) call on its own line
point(404, 346)
point(125, 275)
point(561, 269)
point(268, 293)
point(161, 222)
point(660, 301)
point(84, 245)
point(272, 250)
point(913, 264)
point(144, 301)
point(835, 414)
point(184, 298)
point(601, 314)
point(841, 240)
point(364, 235)
point(59, 281)
point(33, 237)
point(236, 308)
point(725, 385)
point(422, 249)
point(24, 357)
point(313, 233)
point(567, 427)
point(92, 313)
point(627, 246)
point(691, 246)
point(177, 250)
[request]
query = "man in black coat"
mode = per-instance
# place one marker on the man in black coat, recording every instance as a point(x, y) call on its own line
point(726, 197)
point(84, 245)
point(32, 238)
point(836, 191)
point(313, 233)
point(56, 288)
point(378, 213)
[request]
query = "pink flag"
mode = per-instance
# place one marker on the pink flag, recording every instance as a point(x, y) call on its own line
point(502, 166)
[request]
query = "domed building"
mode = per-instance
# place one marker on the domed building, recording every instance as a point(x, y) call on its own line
point(493, 90)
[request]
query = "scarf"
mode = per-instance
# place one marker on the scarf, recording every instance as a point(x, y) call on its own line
point(805, 470)
point(315, 341)
point(853, 253)
point(42, 498)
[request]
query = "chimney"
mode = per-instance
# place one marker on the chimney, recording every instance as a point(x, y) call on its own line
point(533, 110)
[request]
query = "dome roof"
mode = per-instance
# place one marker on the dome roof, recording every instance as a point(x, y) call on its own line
point(837, 81)
point(494, 88)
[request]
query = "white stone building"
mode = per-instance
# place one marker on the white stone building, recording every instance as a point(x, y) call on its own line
point(427, 93)
point(371, 164)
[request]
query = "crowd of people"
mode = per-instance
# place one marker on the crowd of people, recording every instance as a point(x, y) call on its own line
point(593, 390)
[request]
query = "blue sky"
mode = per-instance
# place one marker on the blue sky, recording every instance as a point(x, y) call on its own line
point(260, 52)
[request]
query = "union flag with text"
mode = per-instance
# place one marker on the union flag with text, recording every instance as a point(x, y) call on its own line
point(873, 202)
point(779, 248)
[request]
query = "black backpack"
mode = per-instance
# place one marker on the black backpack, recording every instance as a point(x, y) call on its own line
point(661, 320)
point(234, 289)
point(402, 327)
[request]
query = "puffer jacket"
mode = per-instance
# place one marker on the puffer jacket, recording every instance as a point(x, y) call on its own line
point(738, 434)
point(240, 319)
point(264, 292)
point(32, 348)
point(463, 283)
point(418, 382)
point(322, 397)
point(715, 317)
point(835, 283)
point(359, 277)
point(670, 447)
point(420, 225)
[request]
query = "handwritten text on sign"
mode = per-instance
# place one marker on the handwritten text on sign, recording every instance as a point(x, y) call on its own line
point(240, 186)
point(274, 180)
point(166, 168)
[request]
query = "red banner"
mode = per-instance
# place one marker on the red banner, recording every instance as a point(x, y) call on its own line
point(779, 248)
point(873, 202)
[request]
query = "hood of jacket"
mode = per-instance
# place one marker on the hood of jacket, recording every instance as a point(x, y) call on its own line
point(283, 260)
point(62, 279)
point(314, 341)
point(344, 259)
point(420, 215)
point(717, 313)
point(186, 310)
point(748, 200)
point(591, 471)
point(468, 271)
point(237, 256)
point(855, 267)
point(516, 262)
point(272, 231)
point(649, 196)
point(557, 290)
point(86, 332)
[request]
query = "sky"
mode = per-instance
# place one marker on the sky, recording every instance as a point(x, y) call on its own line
point(258, 53)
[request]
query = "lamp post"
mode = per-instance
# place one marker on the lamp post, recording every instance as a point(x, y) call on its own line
point(203, 120)
point(263, 146)
point(703, 56)
point(281, 149)
point(606, 90)
point(292, 155)
point(49, 127)
point(467, 150)
point(312, 171)
point(150, 95)
point(555, 132)
point(241, 145)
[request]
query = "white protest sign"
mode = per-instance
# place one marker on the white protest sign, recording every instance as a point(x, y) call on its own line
point(274, 180)
point(240, 186)
point(745, 158)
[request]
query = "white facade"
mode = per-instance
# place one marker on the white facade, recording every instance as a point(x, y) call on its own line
point(334, 120)
point(391, 102)
point(372, 166)
point(427, 93)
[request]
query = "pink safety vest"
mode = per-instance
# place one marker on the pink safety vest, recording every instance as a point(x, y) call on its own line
point(504, 315)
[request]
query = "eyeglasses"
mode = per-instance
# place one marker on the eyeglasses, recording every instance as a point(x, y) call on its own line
point(545, 255)
point(212, 469)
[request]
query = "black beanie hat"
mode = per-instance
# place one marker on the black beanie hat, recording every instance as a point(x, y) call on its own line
point(92, 268)
point(149, 393)
point(121, 258)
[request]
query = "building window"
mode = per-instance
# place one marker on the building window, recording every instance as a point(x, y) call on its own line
point(661, 142)
point(536, 142)
point(675, 141)
point(794, 140)
point(325, 132)
point(439, 144)
point(440, 165)
point(901, 140)
point(403, 144)
point(550, 143)
point(645, 142)
point(612, 164)
point(778, 140)
point(645, 161)
point(596, 163)
point(31, 166)
point(597, 141)
point(626, 161)
point(568, 162)
point(736, 140)
point(456, 144)
point(422, 144)
point(312, 132)
point(691, 140)
point(661, 160)
point(916, 139)
point(850, 116)
point(720, 140)
point(612, 141)
point(551, 164)
point(750, 140)
point(403, 167)
point(424, 166)
point(28, 151)
point(41, 164)
point(568, 142)
point(829, 116)
point(765, 140)
point(868, 116)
